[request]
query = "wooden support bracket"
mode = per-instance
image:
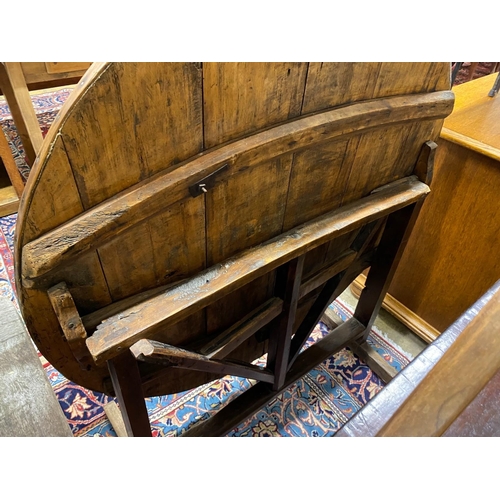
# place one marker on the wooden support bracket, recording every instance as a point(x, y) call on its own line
point(71, 323)
point(156, 352)
point(424, 169)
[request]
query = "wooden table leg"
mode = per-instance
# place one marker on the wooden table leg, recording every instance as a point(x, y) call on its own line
point(126, 379)
point(15, 90)
point(11, 182)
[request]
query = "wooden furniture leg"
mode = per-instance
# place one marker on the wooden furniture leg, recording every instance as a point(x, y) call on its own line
point(13, 85)
point(11, 182)
point(116, 418)
point(279, 346)
point(126, 380)
point(385, 262)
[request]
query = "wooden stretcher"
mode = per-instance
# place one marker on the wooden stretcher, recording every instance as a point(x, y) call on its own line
point(184, 219)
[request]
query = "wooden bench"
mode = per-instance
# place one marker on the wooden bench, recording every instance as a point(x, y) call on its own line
point(28, 405)
point(451, 389)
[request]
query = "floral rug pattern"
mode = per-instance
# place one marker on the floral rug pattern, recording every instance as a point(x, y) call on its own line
point(317, 405)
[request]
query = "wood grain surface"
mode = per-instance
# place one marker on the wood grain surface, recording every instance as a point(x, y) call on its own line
point(299, 140)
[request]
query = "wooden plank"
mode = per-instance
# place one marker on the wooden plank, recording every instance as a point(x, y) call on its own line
point(223, 278)
point(113, 122)
point(234, 220)
point(379, 157)
point(156, 352)
point(413, 77)
point(28, 405)
point(234, 336)
point(374, 360)
point(257, 396)
point(16, 93)
point(332, 84)
point(317, 182)
point(149, 197)
point(49, 209)
point(40, 214)
point(166, 248)
point(240, 98)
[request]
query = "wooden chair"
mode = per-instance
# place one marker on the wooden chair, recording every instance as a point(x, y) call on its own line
point(172, 235)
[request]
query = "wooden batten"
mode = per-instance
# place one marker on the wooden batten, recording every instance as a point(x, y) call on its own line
point(155, 352)
point(133, 324)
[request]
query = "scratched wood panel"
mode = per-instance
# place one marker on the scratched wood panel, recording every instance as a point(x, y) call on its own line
point(48, 208)
point(166, 248)
point(121, 133)
point(317, 182)
point(317, 185)
point(331, 84)
point(380, 157)
point(412, 78)
point(247, 208)
point(240, 98)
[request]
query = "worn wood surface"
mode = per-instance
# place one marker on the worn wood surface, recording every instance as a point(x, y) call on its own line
point(129, 326)
point(13, 85)
point(451, 253)
point(481, 418)
point(8, 166)
point(71, 323)
point(28, 405)
point(150, 351)
point(438, 386)
point(300, 140)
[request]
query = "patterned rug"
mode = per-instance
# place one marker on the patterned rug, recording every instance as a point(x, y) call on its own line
point(317, 405)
